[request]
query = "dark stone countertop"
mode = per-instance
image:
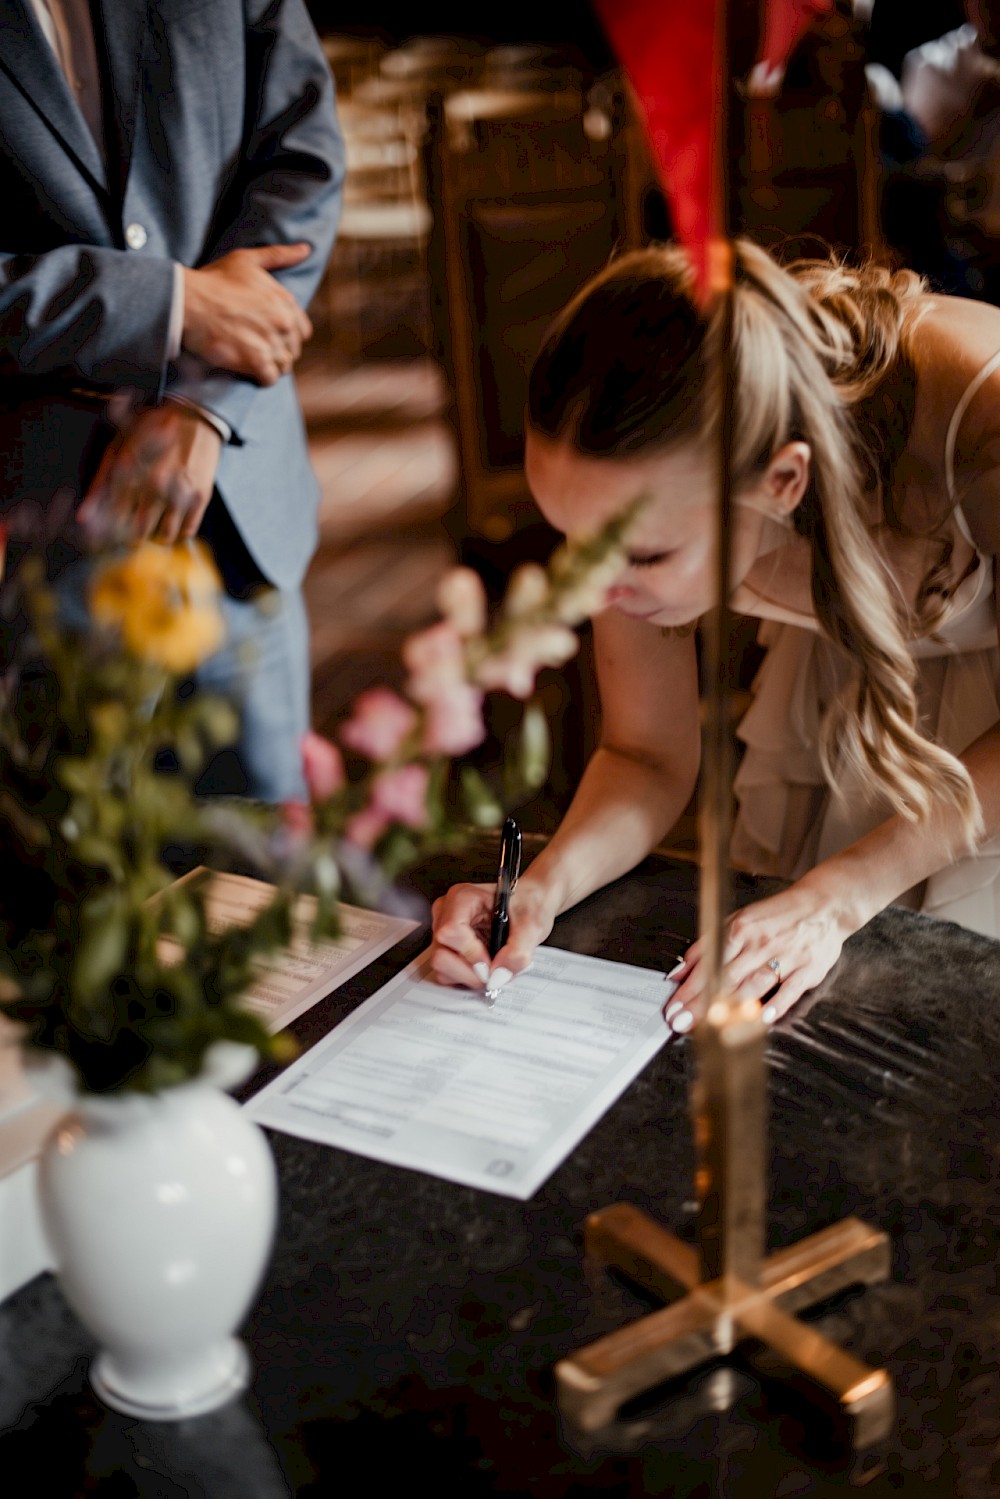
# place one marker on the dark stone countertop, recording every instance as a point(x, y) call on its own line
point(407, 1328)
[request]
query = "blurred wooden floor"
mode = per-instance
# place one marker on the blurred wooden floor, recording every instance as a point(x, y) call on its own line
point(385, 458)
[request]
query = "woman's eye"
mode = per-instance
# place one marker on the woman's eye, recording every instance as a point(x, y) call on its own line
point(653, 560)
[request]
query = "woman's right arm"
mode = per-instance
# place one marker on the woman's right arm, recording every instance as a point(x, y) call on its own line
point(635, 787)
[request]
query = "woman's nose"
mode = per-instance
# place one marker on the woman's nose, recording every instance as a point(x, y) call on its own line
point(619, 591)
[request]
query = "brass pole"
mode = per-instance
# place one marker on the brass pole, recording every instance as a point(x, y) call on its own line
point(728, 1098)
point(725, 1291)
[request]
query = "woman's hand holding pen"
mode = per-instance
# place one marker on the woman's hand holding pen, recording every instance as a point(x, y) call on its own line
point(459, 947)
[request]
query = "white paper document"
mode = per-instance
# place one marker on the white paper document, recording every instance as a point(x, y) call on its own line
point(494, 1097)
point(300, 975)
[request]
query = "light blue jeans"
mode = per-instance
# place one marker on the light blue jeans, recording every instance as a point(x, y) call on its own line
point(263, 667)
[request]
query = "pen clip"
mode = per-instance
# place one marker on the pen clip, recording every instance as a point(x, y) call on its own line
point(510, 859)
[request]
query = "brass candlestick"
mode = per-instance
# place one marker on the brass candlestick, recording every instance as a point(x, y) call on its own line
point(725, 1290)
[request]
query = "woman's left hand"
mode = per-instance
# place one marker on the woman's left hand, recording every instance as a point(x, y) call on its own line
point(786, 944)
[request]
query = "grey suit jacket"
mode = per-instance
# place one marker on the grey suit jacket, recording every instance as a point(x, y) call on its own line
point(221, 133)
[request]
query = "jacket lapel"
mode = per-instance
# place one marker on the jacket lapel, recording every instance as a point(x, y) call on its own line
point(120, 31)
point(32, 66)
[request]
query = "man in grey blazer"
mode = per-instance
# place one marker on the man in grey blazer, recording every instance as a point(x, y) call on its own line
point(170, 172)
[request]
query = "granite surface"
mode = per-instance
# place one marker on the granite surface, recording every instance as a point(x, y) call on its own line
point(407, 1328)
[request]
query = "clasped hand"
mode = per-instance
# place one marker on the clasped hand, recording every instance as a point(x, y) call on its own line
point(238, 317)
point(156, 479)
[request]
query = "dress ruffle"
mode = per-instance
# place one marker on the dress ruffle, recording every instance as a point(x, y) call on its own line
point(789, 819)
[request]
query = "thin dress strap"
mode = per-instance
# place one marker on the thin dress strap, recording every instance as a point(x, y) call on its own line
point(964, 402)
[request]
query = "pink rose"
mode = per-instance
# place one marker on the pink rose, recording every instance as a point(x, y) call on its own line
point(322, 766)
point(453, 722)
point(401, 795)
point(366, 827)
point(379, 723)
point(435, 660)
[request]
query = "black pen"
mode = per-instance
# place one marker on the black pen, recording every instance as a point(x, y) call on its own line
point(507, 872)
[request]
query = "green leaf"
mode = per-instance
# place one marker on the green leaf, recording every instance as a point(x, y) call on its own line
point(397, 851)
point(482, 808)
point(535, 746)
point(101, 948)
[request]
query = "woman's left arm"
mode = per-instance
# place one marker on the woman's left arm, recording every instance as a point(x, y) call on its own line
point(788, 942)
point(793, 939)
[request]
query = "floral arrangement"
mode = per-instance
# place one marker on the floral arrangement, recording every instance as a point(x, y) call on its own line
point(101, 747)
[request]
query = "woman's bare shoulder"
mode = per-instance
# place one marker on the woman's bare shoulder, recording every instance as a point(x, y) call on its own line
point(950, 339)
point(963, 337)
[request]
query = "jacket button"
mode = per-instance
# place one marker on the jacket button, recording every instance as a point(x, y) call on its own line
point(135, 236)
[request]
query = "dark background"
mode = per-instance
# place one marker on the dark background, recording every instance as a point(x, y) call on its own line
point(897, 25)
point(572, 26)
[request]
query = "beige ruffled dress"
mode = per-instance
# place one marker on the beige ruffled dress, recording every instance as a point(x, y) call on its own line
point(788, 818)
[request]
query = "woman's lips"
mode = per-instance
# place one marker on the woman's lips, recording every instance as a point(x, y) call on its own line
point(635, 614)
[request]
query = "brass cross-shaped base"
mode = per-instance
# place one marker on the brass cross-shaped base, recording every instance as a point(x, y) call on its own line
point(728, 1290)
point(712, 1318)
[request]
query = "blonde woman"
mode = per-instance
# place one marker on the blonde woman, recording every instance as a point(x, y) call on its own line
point(867, 518)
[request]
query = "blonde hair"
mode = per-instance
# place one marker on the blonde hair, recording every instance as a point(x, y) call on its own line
point(817, 347)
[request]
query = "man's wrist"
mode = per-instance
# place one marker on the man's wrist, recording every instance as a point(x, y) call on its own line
point(220, 425)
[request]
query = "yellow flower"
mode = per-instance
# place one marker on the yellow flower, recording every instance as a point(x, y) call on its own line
point(164, 600)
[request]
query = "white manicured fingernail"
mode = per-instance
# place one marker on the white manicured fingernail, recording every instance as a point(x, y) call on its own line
point(672, 1008)
point(482, 971)
point(683, 1022)
point(678, 967)
point(769, 1014)
point(499, 977)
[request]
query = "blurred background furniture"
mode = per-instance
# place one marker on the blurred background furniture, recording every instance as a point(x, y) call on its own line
point(808, 176)
point(488, 176)
point(534, 198)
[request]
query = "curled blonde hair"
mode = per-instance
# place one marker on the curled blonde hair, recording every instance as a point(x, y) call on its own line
point(816, 347)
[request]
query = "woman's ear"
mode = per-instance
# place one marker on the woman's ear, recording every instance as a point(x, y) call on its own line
point(787, 477)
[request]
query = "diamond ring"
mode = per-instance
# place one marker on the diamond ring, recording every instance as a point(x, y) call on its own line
point(775, 968)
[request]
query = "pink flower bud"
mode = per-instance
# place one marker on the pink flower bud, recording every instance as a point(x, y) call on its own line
point(528, 648)
point(379, 723)
point(297, 819)
point(549, 645)
point(462, 600)
point(528, 589)
point(401, 795)
point(506, 671)
point(453, 722)
point(322, 766)
point(435, 659)
point(366, 827)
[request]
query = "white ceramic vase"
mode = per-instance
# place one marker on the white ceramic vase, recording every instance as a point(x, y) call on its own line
point(161, 1210)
